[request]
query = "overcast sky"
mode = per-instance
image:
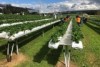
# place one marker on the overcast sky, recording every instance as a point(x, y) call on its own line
point(55, 5)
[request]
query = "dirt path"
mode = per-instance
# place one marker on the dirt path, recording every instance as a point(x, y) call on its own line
point(16, 59)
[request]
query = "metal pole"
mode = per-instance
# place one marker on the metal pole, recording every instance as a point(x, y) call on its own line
point(68, 59)
point(17, 48)
point(65, 56)
point(12, 49)
point(8, 57)
point(8, 49)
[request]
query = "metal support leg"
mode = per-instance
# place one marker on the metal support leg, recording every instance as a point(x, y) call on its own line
point(17, 48)
point(8, 56)
point(12, 48)
point(66, 56)
point(8, 49)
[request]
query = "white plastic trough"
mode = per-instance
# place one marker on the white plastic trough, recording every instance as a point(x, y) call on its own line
point(4, 35)
point(65, 40)
point(77, 45)
point(12, 24)
point(54, 45)
point(22, 33)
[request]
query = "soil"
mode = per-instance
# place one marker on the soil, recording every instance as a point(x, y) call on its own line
point(16, 59)
point(62, 64)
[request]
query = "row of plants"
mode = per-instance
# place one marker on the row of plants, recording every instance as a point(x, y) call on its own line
point(12, 16)
point(62, 27)
point(27, 26)
point(95, 18)
point(76, 32)
point(19, 18)
point(94, 22)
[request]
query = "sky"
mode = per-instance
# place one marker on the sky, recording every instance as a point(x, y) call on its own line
point(30, 1)
point(55, 5)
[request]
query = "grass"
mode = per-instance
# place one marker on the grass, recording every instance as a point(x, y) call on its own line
point(38, 53)
point(2, 41)
point(90, 55)
point(2, 48)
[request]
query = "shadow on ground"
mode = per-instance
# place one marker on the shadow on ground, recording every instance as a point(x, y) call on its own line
point(25, 39)
point(3, 49)
point(50, 55)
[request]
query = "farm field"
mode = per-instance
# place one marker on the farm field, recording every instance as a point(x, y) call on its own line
point(36, 53)
point(18, 18)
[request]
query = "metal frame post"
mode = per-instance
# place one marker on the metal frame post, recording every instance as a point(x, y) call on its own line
point(17, 51)
point(8, 52)
point(12, 48)
point(66, 56)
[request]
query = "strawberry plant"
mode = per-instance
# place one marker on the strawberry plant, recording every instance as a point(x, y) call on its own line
point(19, 18)
point(27, 26)
point(61, 31)
point(76, 33)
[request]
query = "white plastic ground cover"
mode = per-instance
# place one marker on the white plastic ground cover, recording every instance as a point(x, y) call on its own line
point(22, 33)
point(77, 45)
point(12, 24)
point(65, 40)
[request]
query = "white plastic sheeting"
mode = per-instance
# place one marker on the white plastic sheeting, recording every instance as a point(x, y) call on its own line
point(53, 45)
point(65, 40)
point(4, 35)
point(12, 24)
point(25, 32)
point(77, 45)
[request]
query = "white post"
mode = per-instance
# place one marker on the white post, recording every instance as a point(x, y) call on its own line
point(65, 56)
point(68, 59)
point(17, 48)
point(8, 56)
point(12, 49)
point(8, 49)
